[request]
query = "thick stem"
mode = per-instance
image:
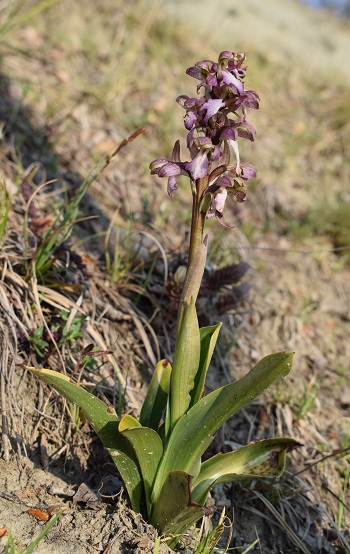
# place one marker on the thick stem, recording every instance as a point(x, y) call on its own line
point(198, 218)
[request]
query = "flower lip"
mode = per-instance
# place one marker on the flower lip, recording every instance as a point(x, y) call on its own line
point(198, 167)
point(172, 185)
point(229, 79)
point(219, 200)
point(212, 107)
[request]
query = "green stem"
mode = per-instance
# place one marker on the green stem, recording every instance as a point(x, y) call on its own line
point(198, 218)
point(193, 277)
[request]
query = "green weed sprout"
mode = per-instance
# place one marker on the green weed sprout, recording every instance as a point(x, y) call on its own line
point(11, 548)
point(159, 455)
point(63, 224)
point(5, 204)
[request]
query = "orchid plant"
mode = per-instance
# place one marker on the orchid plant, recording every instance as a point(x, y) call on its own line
point(159, 455)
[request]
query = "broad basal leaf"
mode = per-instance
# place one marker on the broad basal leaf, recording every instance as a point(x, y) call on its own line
point(148, 448)
point(175, 510)
point(105, 423)
point(264, 458)
point(194, 431)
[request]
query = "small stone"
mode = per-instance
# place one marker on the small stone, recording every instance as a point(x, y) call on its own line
point(345, 400)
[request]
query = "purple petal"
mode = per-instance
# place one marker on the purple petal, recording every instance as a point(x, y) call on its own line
point(157, 164)
point(219, 200)
point(169, 169)
point(228, 133)
point(205, 142)
point(190, 103)
point(230, 79)
point(190, 120)
point(172, 185)
point(248, 170)
point(225, 55)
point(245, 130)
point(217, 153)
point(191, 136)
point(195, 72)
point(211, 81)
point(212, 107)
point(225, 181)
point(198, 167)
point(182, 99)
point(251, 99)
point(175, 156)
point(194, 139)
point(207, 65)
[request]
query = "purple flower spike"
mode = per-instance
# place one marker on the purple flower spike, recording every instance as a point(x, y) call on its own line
point(215, 121)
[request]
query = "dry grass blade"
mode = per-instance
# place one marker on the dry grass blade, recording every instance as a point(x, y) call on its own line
point(3, 376)
point(281, 522)
point(251, 546)
point(324, 512)
point(9, 323)
point(60, 301)
point(161, 249)
point(323, 458)
point(7, 309)
point(34, 285)
point(138, 322)
point(124, 142)
point(74, 311)
point(97, 337)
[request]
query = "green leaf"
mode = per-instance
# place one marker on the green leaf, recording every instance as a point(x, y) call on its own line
point(105, 422)
point(194, 431)
point(175, 510)
point(266, 458)
point(148, 448)
point(32, 546)
point(208, 338)
point(128, 422)
point(185, 366)
point(157, 396)
point(5, 205)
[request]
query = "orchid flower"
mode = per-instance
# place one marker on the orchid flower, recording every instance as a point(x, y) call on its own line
point(215, 122)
